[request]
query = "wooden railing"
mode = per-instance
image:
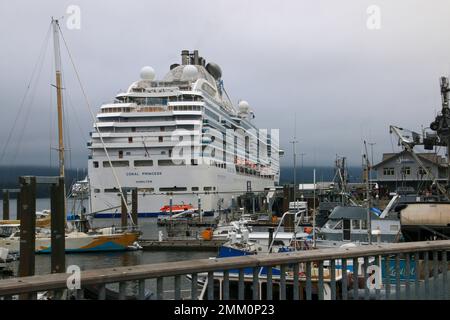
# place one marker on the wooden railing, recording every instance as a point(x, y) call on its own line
point(419, 271)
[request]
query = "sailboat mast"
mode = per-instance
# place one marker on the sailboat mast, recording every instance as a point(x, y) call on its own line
point(59, 98)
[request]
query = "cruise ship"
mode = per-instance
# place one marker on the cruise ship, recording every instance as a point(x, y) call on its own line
point(179, 141)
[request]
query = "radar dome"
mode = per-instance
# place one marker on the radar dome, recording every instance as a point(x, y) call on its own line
point(243, 105)
point(147, 73)
point(214, 70)
point(190, 72)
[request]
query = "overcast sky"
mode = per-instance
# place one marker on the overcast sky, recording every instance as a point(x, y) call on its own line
point(313, 61)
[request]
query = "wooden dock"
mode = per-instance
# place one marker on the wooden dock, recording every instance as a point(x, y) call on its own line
point(181, 244)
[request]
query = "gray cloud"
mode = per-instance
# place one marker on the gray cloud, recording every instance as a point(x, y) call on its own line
point(313, 59)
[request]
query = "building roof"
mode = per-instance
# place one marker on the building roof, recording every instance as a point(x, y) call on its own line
point(351, 212)
point(429, 157)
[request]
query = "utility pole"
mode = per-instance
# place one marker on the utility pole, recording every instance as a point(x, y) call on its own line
point(371, 144)
point(368, 195)
point(301, 155)
point(294, 142)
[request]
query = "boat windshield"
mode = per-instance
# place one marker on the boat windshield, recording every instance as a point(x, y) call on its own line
point(334, 224)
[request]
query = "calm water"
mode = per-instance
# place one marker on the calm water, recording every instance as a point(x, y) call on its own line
point(87, 261)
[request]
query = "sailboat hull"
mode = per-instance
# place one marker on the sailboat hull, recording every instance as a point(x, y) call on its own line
point(74, 244)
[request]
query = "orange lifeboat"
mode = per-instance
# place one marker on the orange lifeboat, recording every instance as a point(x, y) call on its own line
point(176, 208)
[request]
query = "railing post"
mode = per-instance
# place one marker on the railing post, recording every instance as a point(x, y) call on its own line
point(445, 285)
point(283, 282)
point(435, 275)
point(269, 287)
point(159, 288)
point(366, 287)
point(377, 288)
point(407, 276)
point(417, 278)
point(226, 285)
point(426, 274)
point(194, 286)
point(387, 284)
point(344, 279)
point(295, 283)
point(141, 289)
point(211, 285)
point(122, 290)
point(5, 205)
point(355, 279)
point(58, 220)
point(397, 276)
point(255, 286)
point(27, 229)
point(333, 279)
point(308, 281)
point(320, 283)
point(177, 288)
point(241, 285)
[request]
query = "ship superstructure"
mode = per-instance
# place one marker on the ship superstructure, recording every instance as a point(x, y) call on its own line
point(179, 140)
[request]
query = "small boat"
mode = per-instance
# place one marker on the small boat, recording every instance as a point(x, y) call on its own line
point(105, 239)
point(43, 220)
point(176, 208)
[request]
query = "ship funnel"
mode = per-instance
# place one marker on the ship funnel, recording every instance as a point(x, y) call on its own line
point(185, 57)
point(196, 58)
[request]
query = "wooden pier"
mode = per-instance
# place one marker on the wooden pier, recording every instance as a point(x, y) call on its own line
point(430, 281)
point(181, 244)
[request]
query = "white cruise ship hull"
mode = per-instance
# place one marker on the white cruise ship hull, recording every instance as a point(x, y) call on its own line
point(224, 186)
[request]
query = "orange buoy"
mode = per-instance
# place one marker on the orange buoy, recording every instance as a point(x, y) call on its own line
point(207, 234)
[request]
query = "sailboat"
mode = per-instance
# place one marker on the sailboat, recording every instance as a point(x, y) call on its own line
point(80, 236)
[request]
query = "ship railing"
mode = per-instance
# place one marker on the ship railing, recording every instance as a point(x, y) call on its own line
point(410, 270)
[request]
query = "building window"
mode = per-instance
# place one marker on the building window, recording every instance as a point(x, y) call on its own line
point(160, 139)
point(130, 139)
point(406, 171)
point(95, 164)
point(120, 154)
point(355, 225)
point(364, 224)
point(194, 188)
point(388, 171)
point(422, 171)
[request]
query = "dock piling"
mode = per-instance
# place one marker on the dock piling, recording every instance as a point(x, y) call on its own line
point(5, 205)
point(58, 215)
point(124, 211)
point(134, 206)
point(27, 229)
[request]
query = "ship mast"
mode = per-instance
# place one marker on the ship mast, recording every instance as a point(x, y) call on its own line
point(59, 98)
